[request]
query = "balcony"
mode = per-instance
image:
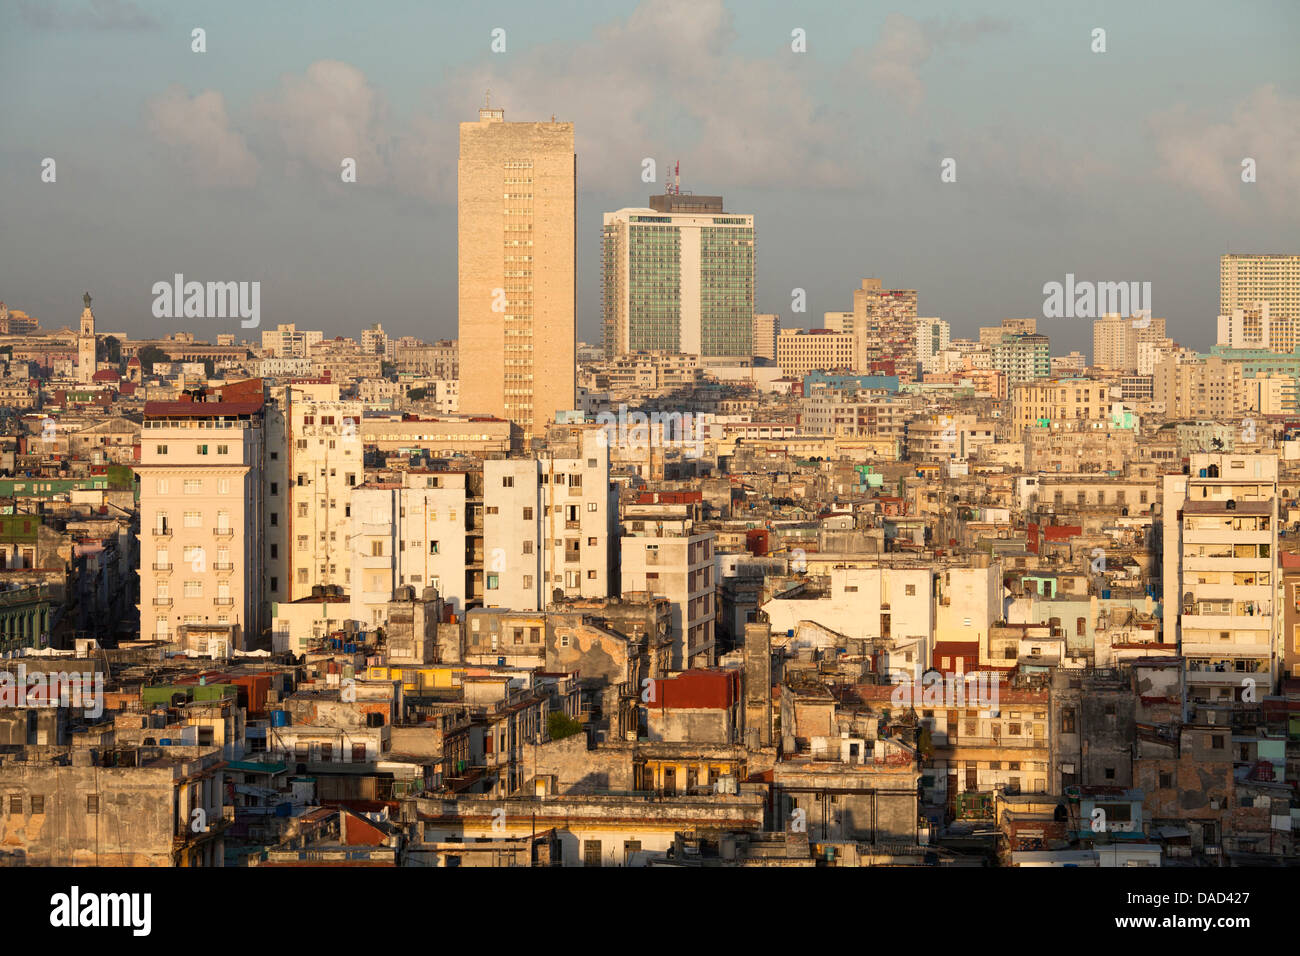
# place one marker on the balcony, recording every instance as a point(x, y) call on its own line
point(224, 533)
point(161, 532)
point(223, 566)
point(162, 602)
point(162, 567)
point(223, 601)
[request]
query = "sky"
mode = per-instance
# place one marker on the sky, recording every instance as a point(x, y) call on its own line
point(224, 165)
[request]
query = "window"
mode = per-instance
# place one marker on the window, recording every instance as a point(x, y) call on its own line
point(275, 488)
point(38, 803)
point(591, 506)
point(493, 582)
point(358, 753)
point(162, 486)
point(528, 547)
point(911, 590)
point(194, 486)
point(194, 519)
point(376, 548)
point(528, 514)
point(15, 804)
point(508, 481)
point(223, 449)
point(528, 581)
point(591, 852)
point(92, 803)
point(433, 547)
point(161, 449)
point(194, 589)
point(203, 449)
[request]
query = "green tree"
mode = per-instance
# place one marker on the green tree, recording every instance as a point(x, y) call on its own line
point(561, 725)
point(149, 355)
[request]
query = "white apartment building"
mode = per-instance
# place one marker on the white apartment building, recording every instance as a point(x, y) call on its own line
point(316, 460)
point(201, 518)
point(662, 552)
point(509, 535)
point(416, 532)
point(1246, 279)
point(895, 605)
point(1221, 573)
point(932, 338)
point(549, 524)
point(287, 342)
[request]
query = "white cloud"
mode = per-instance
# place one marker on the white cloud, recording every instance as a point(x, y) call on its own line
point(1206, 156)
point(197, 129)
point(327, 114)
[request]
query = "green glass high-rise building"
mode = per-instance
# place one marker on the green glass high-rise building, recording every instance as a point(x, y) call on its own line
point(678, 277)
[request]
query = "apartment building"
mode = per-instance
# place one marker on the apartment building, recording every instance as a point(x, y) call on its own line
point(884, 328)
point(1023, 357)
point(508, 533)
point(932, 337)
point(664, 553)
point(286, 341)
point(318, 461)
point(991, 335)
point(1203, 388)
point(1221, 573)
point(800, 351)
point(1246, 279)
point(767, 326)
point(201, 515)
point(1068, 404)
point(863, 414)
point(1117, 341)
point(418, 531)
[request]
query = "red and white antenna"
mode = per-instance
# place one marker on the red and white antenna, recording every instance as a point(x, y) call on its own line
point(677, 178)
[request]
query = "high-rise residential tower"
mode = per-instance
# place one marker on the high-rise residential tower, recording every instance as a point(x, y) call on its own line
point(678, 277)
point(884, 328)
point(516, 215)
point(1247, 280)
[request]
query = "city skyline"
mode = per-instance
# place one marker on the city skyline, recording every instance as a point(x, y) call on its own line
point(182, 138)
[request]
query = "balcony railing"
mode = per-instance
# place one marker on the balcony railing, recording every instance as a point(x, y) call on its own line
point(223, 601)
point(224, 533)
point(161, 532)
point(162, 567)
point(162, 602)
point(223, 566)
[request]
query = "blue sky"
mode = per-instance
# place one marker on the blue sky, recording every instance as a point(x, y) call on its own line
point(1115, 166)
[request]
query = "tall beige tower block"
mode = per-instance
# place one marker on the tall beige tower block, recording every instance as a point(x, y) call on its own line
point(516, 214)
